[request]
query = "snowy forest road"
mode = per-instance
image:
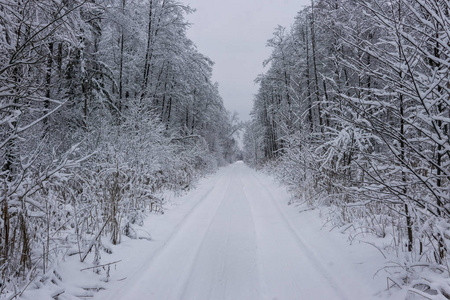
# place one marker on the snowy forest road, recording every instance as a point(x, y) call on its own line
point(238, 242)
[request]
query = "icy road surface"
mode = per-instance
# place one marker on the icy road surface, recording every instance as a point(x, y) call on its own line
point(239, 241)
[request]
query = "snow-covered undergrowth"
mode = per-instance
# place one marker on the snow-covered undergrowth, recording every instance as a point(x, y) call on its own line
point(76, 208)
point(77, 221)
point(422, 273)
point(108, 263)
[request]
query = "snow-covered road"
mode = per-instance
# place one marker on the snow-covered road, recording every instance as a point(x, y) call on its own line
point(240, 242)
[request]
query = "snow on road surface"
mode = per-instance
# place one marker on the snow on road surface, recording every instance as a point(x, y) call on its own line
point(239, 239)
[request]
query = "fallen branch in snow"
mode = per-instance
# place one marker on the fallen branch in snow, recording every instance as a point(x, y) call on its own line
point(58, 293)
point(307, 209)
point(94, 240)
point(394, 282)
point(104, 265)
point(14, 296)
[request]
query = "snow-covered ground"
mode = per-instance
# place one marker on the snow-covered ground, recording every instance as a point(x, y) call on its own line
point(234, 237)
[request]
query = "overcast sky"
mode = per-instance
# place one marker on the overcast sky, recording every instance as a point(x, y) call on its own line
point(233, 33)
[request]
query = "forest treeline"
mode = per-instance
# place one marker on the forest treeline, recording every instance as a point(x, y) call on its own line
point(354, 112)
point(103, 103)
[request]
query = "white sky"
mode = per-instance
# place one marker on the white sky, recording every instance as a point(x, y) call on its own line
point(233, 33)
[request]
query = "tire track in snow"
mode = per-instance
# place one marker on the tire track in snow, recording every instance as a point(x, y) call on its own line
point(302, 245)
point(181, 291)
point(225, 266)
point(262, 287)
point(273, 263)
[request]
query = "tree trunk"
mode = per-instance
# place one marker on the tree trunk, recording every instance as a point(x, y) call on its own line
point(316, 77)
point(148, 55)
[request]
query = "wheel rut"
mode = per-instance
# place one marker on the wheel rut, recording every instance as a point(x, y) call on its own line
point(303, 247)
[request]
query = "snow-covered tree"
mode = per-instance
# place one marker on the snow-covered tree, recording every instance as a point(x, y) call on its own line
point(366, 127)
